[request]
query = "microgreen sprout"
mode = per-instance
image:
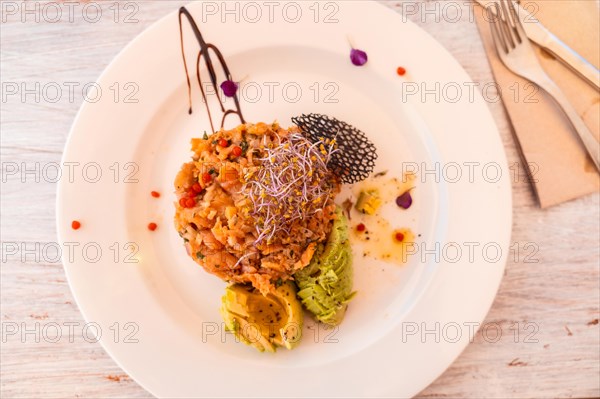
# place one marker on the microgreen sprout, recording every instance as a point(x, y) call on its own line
point(292, 183)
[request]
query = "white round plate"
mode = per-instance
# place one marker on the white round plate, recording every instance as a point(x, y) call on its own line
point(157, 312)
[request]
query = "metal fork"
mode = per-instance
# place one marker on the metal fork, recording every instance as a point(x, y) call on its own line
point(517, 54)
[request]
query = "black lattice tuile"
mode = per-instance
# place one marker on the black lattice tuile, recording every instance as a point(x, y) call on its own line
point(356, 157)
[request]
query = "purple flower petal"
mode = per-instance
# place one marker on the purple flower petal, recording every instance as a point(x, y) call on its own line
point(229, 88)
point(405, 200)
point(358, 57)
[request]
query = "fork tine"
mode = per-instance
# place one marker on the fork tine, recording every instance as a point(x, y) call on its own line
point(496, 31)
point(507, 25)
point(518, 26)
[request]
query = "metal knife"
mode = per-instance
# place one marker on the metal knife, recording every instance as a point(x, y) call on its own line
point(545, 39)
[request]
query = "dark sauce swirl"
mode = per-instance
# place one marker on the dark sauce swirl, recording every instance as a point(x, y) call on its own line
point(204, 54)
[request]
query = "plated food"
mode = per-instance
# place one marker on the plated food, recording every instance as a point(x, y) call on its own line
point(176, 303)
point(256, 207)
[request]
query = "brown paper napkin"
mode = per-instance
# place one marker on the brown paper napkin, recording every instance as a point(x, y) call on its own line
point(559, 165)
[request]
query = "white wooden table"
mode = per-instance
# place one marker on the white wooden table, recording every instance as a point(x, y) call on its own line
point(556, 299)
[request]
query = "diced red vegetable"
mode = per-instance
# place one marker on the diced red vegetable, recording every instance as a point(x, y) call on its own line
point(236, 151)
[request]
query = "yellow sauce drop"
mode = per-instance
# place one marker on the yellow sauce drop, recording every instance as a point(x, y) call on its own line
point(379, 241)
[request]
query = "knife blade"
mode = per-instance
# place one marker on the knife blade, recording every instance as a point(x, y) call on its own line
point(539, 34)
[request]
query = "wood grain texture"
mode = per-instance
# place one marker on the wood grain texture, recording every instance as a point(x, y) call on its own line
point(559, 295)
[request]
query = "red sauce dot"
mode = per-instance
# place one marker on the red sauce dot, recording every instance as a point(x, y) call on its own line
point(152, 226)
point(75, 224)
point(206, 177)
point(399, 237)
point(401, 71)
point(155, 194)
point(361, 227)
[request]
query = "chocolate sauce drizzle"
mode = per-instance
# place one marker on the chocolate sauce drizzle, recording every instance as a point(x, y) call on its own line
point(204, 51)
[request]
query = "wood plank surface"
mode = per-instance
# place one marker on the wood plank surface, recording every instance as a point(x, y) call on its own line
point(552, 303)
